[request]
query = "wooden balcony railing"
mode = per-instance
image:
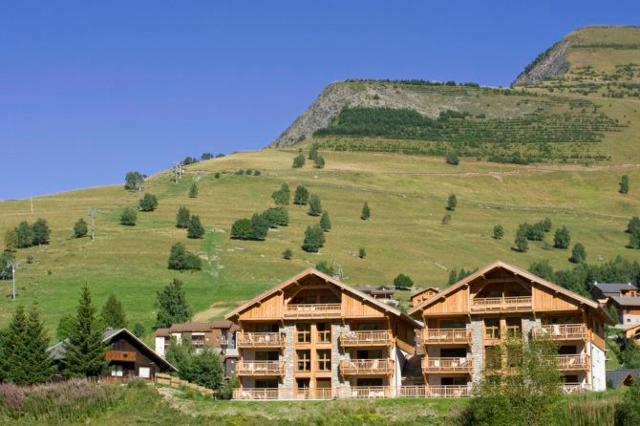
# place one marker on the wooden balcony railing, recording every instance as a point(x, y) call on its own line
point(313, 310)
point(259, 340)
point(446, 335)
point(260, 368)
point(573, 362)
point(126, 356)
point(364, 367)
point(447, 365)
point(366, 392)
point(575, 387)
point(499, 304)
point(366, 338)
point(561, 331)
point(353, 392)
point(257, 393)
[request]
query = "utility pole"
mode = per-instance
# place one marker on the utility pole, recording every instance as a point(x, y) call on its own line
point(14, 265)
point(92, 214)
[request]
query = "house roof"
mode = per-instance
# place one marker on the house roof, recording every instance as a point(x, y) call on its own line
point(614, 287)
point(58, 351)
point(312, 271)
point(195, 327)
point(626, 300)
point(618, 377)
point(516, 271)
point(424, 290)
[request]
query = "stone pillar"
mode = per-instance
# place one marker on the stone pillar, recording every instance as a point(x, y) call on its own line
point(288, 356)
point(528, 324)
point(337, 355)
point(477, 348)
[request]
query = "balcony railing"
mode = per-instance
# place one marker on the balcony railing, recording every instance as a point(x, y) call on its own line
point(446, 335)
point(257, 393)
point(312, 310)
point(499, 304)
point(366, 392)
point(451, 391)
point(365, 338)
point(363, 367)
point(447, 365)
point(260, 368)
point(561, 331)
point(573, 362)
point(126, 356)
point(575, 387)
point(259, 340)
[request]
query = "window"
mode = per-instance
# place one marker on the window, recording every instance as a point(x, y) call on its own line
point(117, 371)
point(454, 381)
point(324, 360)
point(324, 332)
point(303, 361)
point(303, 333)
point(492, 357)
point(144, 372)
point(491, 328)
point(514, 328)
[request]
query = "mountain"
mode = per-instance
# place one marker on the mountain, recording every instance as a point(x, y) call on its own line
point(404, 179)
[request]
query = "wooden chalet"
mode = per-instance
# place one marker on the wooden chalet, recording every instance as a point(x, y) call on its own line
point(313, 336)
point(465, 324)
point(422, 295)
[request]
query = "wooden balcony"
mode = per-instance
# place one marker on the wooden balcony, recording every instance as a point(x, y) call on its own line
point(501, 304)
point(573, 362)
point(450, 391)
point(366, 367)
point(438, 336)
point(366, 338)
point(354, 392)
point(260, 340)
point(561, 332)
point(122, 356)
point(260, 368)
point(313, 310)
point(257, 393)
point(366, 392)
point(575, 387)
point(447, 365)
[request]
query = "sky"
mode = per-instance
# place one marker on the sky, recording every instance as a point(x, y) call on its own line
point(92, 89)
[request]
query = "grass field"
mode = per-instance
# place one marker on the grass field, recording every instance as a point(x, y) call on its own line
point(407, 196)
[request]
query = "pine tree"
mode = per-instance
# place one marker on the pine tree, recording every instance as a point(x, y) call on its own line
point(624, 185)
point(562, 238)
point(362, 253)
point(259, 226)
point(498, 232)
point(281, 196)
point(452, 202)
point(313, 239)
point(181, 259)
point(521, 243)
point(41, 232)
point(38, 361)
point(318, 163)
point(287, 254)
point(24, 235)
point(183, 217)
point(365, 214)
point(128, 217)
point(14, 348)
point(325, 222)
point(138, 330)
point(84, 348)
point(298, 161)
point(578, 254)
point(148, 203)
point(241, 229)
point(301, 196)
point(315, 207)
point(193, 190)
point(313, 151)
point(80, 229)
point(402, 282)
point(113, 314)
point(172, 305)
point(195, 228)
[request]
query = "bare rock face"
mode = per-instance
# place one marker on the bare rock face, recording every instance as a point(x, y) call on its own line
point(549, 64)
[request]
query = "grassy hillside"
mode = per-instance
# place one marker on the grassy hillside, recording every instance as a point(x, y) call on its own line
point(407, 195)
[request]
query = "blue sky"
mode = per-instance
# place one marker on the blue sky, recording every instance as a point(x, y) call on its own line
point(90, 90)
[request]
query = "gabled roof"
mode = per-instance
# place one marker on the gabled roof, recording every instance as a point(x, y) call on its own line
point(516, 271)
point(614, 287)
point(424, 290)
point(58, 351)
point(626, 300)
point(618, 377)
point(312, 271)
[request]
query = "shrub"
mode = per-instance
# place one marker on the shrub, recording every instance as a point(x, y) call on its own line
point(183, 217)
point(324, 267)
point(6, 257)
point(241, 229)
point(41, 232)
point(313, 151)
point(521, 243)
point(402, 282)
point(628, 410)
point(204, 367)
point(180, 259)
point(452, 158)
point(277, 216)
point(301, 196)
point(325, 222)
point(315, 207)
point(138, 330)
point(259, 226)
point(365, 214)
point(148, 203)
point(133, 181)
point(624, 185)
point(287, 254)
point(578, 254)
point(80, 229)
point(498, 232)
point(562, 238)
point(128, 217)
point(362, 253)
point(24, 235)
point(112, 314)
point(193, 190)
point(298, 161)
point(172, 305)
point(318, 163)
point(313, 239)
point(452, 202)
point(195, 228)
point(446, 219)
point(281, 197)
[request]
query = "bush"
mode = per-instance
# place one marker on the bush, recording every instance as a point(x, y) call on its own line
point(301, 196)
point(195, 228)
point(138, 330)
point(452, 202)
point(452, 158)
point(193, 190)
point(313, 239)
point(362, 253)
point(318, 163)
point(325, 222)
point(204, 368)
point(281, 196)
point(498, 232)
point(6, 257)
point(365, 214)
point(521, 243)
point(242, 229)
point(446, 219)
point(80, 229)
point(128, 217)
point(287, 254)
point(298, 161)
point(628, 410)
point(315, 207)
point(23, 235)
point(189, 160)
point(183, 217)
point(259, 226)
point(277, 216)
point(624, 185)
point(562, 238)
point(578, 254)
point(148, 203)
point(180, 259)
point(402, 282)
point(41, 232)
point(133, 181)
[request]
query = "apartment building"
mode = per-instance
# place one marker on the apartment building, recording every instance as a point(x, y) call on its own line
point(313, 336)
point(623, 297)
point(218, 335)
point(466, 324)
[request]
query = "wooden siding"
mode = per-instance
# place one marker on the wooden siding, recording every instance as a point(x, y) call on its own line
point(455, 303)
point(270, 308)
point(544, 300)
point(353, 307)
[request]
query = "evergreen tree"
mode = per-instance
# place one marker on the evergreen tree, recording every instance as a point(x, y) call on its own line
point(498, 232)
point(633, 225)
point(281, 197)
point(313, 151)
point(365, 214)
point(362, 253)
point(242, 229)
point(259, 226)
point(546, 224)
point(521, 243)
point(315, 207)
point(624, 185)
point(148, 203)
point(453, 277)
point(452, 158)
point(6, 257)
point(301, 196)
point(11, 242)
point(39, 363)
point(183, 217)
point(452, 202)
point(543, 269)
point(138, 330)
point(195, 228)
point(113, 314)
point(41, 232)
point(14, 348)
point(634, 239)
point(325, 222)
point(298, 161)
point(402, 282)
point(180, 259)
point(80, 229)
point(172, 305)
point(133, 181)
point(628, 410)
point(287, 254)
point(128, 217)
point(193, 190)
point(24, 235)
point(578, 254)
point(562, 238)
point(84, 349)
point(277, 216)
point(65, 325)
point(313, 239)
point(318, 163)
